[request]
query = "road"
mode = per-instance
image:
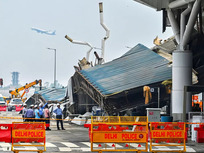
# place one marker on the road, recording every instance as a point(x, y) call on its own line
point(74, 139)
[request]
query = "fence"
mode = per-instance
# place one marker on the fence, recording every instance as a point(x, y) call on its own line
point(28, 134)
point(5, 132)
point(119, 133)
point(3, 108)
point(168, 134)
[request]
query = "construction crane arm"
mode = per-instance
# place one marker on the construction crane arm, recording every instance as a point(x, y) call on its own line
point(15, 93)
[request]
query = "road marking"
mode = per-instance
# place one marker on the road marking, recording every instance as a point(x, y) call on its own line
point(6, 149)
point(161, 148)
point(48, 144)
point(188, 149)
point(86, 149)
point(95, 145)
point(28, 148)
point(69, 144)
point(64, 149)
point(87, 144)
point(5, 144)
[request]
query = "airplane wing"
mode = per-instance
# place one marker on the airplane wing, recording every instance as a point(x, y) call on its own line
point(37, 30)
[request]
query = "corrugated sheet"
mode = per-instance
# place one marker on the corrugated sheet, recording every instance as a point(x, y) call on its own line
point(138, 67)
point(52, 94)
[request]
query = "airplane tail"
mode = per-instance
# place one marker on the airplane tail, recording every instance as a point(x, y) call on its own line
point(54, 32)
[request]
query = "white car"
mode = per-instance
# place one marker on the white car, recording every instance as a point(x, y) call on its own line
point(13, 103)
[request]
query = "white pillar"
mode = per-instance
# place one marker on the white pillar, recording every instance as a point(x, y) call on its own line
point(181, 76)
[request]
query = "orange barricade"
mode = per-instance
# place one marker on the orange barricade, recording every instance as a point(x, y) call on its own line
point(119, 133)
point(3, 107)
point(29, 134)
point(167, 134)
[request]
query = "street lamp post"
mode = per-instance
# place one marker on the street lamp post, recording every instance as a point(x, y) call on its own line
point(54, 65)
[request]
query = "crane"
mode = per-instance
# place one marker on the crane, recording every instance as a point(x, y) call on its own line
point(15, 93)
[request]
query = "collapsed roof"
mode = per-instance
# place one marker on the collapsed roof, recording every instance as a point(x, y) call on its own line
point(52, 94)
point(138, 67)
point(47, 95)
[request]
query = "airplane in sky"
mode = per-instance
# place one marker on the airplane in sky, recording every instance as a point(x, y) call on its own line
point(48, 32)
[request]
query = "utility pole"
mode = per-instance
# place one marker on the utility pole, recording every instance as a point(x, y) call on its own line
point(54, 65)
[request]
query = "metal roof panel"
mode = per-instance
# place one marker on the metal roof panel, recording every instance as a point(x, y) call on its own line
point(138, 67)
point(52, 94)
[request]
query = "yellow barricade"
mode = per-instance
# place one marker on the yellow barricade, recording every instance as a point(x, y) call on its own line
point(119, 133)
point(167, 134)
point(28, 134)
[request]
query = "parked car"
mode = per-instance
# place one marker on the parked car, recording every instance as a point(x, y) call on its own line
point(13, 103)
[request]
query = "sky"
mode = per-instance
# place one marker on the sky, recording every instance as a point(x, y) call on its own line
point(25, 51)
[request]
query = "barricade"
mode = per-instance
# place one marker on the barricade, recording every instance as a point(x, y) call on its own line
point(28, 134)
point(119, 133)
point(171, 134)
point(3, 108)
point(18, 108)
point(88, 126)
point(200, 133)
point(5, 132)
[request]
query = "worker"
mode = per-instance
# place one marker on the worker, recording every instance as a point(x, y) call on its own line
point(58, 112)
point(37, 114)
point(47, 117)
point(41, 108)
point(29, 115)
point(24, 111)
